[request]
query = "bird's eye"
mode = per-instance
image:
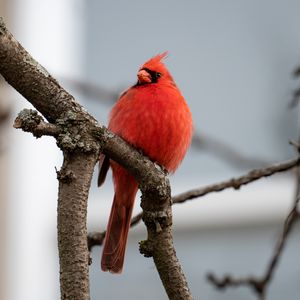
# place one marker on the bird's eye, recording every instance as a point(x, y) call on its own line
point(158, 74)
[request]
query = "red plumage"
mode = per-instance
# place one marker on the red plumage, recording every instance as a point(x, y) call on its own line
point(154, 117)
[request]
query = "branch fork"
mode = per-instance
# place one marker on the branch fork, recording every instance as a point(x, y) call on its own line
point(73, 129)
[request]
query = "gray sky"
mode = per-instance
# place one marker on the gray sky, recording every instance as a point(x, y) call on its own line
point(232, 60)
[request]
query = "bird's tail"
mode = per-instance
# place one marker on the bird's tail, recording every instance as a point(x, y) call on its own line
point(117, 232)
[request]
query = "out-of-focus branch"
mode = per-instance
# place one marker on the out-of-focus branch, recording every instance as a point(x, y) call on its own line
point(226, 152)
point(4, 109)
point(296, 94)
point(235, 183)
point(4, 114)
point(93, 91)
point(97, 238)
point(260, 285)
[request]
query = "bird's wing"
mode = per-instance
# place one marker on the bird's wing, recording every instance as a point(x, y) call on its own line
point(103, 168)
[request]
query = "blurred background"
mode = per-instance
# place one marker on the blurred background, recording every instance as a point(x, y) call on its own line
point(233, 61)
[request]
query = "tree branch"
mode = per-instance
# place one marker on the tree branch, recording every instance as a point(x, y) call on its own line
point(236, 183)
point(29, 121)
point(4, 114)
point(296, 94)
point(157, 214)
point(260, 285)
point(80, 147)
point(4, 117)
point(96, 239)
point(74, 183)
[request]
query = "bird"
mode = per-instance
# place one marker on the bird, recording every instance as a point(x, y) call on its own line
point(152, 116)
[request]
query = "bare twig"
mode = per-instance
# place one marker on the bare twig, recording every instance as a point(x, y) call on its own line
point(296, 72)
point(235, 183)
point(287, 227)
point(227, 281)
point(260, 285)
point(4, 114)
point(29, 121)
point(296, 94)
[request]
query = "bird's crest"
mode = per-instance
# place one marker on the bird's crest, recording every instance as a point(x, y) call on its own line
point(156, 61)
point(156, 64)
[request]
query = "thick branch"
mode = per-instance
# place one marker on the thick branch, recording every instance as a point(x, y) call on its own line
point(157, 213)
point(160, 246)
point(32, 80)
point(74, 183)
point(77, 140)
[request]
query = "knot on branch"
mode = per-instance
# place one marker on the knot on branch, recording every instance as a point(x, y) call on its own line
point(65, 176)
point(75, 133)
point(146, 248)
point(156, 221)
point(101, 134)
point(157, 186)
point(235, 184)
point(30, 121)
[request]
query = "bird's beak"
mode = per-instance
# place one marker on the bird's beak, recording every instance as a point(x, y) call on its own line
point(144, 76)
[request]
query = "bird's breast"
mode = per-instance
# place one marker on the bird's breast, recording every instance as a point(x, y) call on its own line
point(157, 121)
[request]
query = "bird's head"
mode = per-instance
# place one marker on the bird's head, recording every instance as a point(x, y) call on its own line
point(154, 70)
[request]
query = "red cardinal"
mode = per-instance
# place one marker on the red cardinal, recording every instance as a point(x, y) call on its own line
point(153, 116)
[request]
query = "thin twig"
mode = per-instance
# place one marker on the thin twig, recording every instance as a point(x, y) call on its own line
point(260, 285)
point(30, 121)
point(4, 114)
point(235, 183)
point(296, 94)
